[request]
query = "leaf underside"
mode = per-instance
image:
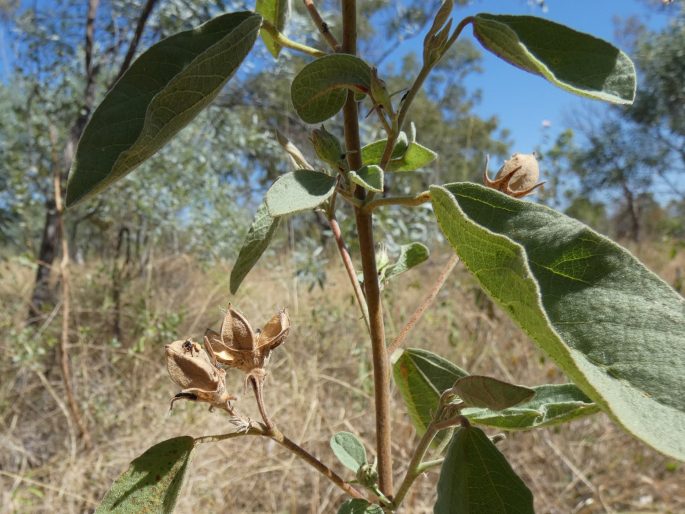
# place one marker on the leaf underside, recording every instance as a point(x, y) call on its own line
point(613, 327)
point(298, 191)
point(276, 12)
point(574, 61)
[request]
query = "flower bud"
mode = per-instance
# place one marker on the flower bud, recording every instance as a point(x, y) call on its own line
point(517, 177)
point(327, 147)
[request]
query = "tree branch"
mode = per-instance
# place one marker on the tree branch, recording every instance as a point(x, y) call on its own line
point(321, 25)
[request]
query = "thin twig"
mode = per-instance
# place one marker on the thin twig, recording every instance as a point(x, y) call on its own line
point(349, 267)
point(291, 445)
point(321, 25)
point(407, 201)
point(425, 303)
point(282, 40)
point(133, 45)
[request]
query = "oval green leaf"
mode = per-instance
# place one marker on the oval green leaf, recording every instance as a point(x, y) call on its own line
point(257, 240)
point(162, 91)
point(614, 327)
point(299, 190)
point(491, 393)
point(476, 478)
point(320, 89)
point(405, 158)
point(574, 61)
point(421, 377)
point(411, 255)
point(349, 450)
point(552, 404)
point(275, 12)
point(369, 177)
point(152, 481)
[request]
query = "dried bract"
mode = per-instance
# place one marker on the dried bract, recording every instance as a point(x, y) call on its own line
point(517, 177)
point(191, 368)
point(238, 346)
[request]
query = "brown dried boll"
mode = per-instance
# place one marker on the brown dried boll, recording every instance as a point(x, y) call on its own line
point(517, 177)
point(191, 368)
point(238, 346)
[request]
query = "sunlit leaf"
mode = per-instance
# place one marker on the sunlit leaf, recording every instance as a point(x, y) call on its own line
point(411, 255)
point(162, 91)
point(491, 393)
point(349, 450)
point(405, 158)
point(299, 190)
point(369, 177)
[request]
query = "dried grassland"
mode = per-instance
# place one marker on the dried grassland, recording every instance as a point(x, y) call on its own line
point(319, 383)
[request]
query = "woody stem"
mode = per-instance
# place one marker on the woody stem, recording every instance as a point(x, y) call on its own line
point(257, 387)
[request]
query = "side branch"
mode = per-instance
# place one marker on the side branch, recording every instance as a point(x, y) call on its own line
point(321, 25)
point(282, 40)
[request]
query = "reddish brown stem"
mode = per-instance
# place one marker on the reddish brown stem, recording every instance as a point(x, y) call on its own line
point(321, 25)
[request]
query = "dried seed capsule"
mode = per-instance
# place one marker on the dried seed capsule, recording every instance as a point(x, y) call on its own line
point(517, 177)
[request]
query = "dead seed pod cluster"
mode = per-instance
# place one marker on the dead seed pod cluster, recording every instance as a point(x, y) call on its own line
point(197, 369)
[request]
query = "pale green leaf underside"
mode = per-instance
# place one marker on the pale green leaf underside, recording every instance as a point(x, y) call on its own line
point(612, 325)
point(299, 190)
point(411, 255)
point(256, 241)
point(152, 481)
point(162, 91)
point(577, 62)
point(491, 393)
point(476, 479)
point(369, 177)
point(552, 404)
point(319, 90)
point(414, 158)
point(276, 12)
point(349, 450)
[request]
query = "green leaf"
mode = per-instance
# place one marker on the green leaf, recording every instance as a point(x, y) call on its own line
point(162, 91)
point(369, 177)
point(320, 89)
point(359, 506)
point(299, 190)
point(275, 12)
point(349, 450)
point(257, 240)
point(491, 393)
point(613, 327)
point(411, 255)
point(421, 377)
point(552, 404)
point(410, 158)
point(152, 481)
point(476, 479)
point(574, 61)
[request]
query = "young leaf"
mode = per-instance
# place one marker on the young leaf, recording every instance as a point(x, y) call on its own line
point(152, 481)
point(162, 91)
point(410, 158)
point(571, 60)
point(490, 393)
point(299, 190)
point(349, 450)
point(421, 376)
point(552, 404)
point(411, 255)
point(359, 506)
point(256, 242)
point(476, 478)
point(275, 12)
point(369, 177)
point(611, 325)
point(319, 90)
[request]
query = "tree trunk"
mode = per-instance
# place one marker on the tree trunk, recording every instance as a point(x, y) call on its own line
point(42, 292)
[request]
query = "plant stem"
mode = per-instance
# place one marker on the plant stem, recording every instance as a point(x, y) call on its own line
point(414, 469)
point(282, 40)
point(381, 368)
point(289, 444)
point(321, 25)
point(423, 306)
point(349, 267)
point(407, 201)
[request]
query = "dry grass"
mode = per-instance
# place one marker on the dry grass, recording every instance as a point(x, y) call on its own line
point(319, 383)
